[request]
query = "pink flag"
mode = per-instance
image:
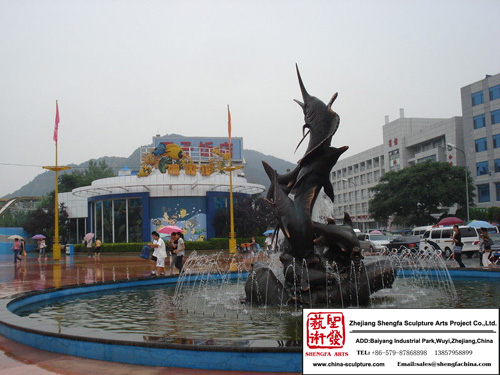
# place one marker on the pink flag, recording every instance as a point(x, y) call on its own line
point(56, 127)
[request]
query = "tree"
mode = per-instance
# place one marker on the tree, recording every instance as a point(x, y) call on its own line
point(413, 194)
point(252, 217)
point(12, 218)
point(42, 219)
point(95, 171)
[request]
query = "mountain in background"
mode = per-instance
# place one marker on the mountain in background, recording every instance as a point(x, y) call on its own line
point(254, 172)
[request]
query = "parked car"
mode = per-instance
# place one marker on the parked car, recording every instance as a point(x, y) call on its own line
point(400, 243)
point(442, 237)
point(495, 237)
point(372, 242)
point(495, 248)
point(419, 231)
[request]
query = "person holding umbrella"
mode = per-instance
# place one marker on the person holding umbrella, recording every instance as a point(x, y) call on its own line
point(88, 240)
point(172, 245)
point(16, 248)
point(179, 251)
point(43, 249)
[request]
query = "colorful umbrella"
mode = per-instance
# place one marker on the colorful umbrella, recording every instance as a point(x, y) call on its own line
point(450, 221)
point(480, 224)
point(14, 236)
point(269, 231)
point(38, 237)
point(169, 229)
point(88, 237)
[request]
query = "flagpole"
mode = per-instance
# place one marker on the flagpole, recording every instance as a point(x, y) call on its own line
point(56, 249)
point(232, 235)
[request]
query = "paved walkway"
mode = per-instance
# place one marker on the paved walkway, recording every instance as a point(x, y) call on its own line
point(33, 275)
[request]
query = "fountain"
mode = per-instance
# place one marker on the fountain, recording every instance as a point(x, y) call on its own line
point(241, 321)
point(322, 262)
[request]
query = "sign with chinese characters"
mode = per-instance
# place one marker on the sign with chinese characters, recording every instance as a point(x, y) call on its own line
point(393, 142)
point(400, 341)
point(325, 330)
point(173, 155)
point(201, 148)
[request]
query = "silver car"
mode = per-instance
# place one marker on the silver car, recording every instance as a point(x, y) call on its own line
point(373, 242)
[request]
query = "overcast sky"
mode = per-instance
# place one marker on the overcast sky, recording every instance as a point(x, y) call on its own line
point(124, 71)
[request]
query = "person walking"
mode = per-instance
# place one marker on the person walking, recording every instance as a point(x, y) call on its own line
point(23, 249)
point(457, 245)
point(485, 248)
point(160, 252)
point(172, 245)
point(269, 242)
point(16, 248)
point(97, 251)
point(42, 249)
point(179, 252)
point(89, 247)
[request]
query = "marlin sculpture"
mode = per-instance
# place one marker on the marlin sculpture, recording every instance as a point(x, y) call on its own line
point(320, 120)
point(313, 249)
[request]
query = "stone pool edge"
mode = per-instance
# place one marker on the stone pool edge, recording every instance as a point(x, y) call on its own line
point(272, 359)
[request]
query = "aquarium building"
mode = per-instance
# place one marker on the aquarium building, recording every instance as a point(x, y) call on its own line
point(182, 181)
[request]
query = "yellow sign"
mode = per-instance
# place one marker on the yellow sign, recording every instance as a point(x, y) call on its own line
point(173, 169)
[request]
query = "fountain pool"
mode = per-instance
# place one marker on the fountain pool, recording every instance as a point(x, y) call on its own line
point(149, 321)
point(150, 311)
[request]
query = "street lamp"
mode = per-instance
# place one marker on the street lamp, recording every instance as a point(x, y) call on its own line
point(355, 199)
point(451, 146)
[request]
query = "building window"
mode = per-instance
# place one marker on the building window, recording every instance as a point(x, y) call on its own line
point(482, 168)
point(495, 117)
point(477, 98)
point(497, 186)
point(431, 157)
point(479, 121)
point(497, 165)
point(481, 144)
point(483, 193)
point(495, 92)
point(394, 160)
point(496, 141)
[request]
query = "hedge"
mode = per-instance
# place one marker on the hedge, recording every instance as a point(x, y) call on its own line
point(135, 247)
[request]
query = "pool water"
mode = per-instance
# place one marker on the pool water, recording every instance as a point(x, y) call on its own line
point(216, 313)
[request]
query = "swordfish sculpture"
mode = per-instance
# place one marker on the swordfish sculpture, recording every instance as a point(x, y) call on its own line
point(322, 262)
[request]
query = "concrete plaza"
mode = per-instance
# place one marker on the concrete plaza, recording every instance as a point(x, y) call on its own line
point(30, 274)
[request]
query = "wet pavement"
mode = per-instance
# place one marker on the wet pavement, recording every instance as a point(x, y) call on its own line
point(31, 274)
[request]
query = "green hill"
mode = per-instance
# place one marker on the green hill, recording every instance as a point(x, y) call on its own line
point(254, 172)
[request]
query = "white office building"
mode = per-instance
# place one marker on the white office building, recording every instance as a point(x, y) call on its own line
point(481, 118)
point(406, 141)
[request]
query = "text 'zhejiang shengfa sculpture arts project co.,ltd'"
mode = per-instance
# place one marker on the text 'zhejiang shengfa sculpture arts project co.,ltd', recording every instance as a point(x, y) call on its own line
point(322, 262)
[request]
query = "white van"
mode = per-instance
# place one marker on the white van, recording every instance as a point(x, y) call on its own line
point(419, 231)
point(442, 237)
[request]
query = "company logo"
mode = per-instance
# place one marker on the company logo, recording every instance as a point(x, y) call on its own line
point(325, 330)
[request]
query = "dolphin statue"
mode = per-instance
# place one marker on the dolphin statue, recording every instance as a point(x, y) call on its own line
point(320, 119)
point(316, 171)
point(294, 216)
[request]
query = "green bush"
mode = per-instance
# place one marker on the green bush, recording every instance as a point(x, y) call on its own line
point(136, 247)
point(130, 247)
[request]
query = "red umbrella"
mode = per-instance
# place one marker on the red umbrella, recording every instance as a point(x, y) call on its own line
point(169, 229)
point(450, 221)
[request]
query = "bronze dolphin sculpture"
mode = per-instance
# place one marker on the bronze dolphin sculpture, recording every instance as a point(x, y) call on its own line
point(319, 118)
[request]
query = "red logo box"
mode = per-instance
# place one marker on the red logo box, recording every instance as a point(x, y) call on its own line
point(325, 330)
